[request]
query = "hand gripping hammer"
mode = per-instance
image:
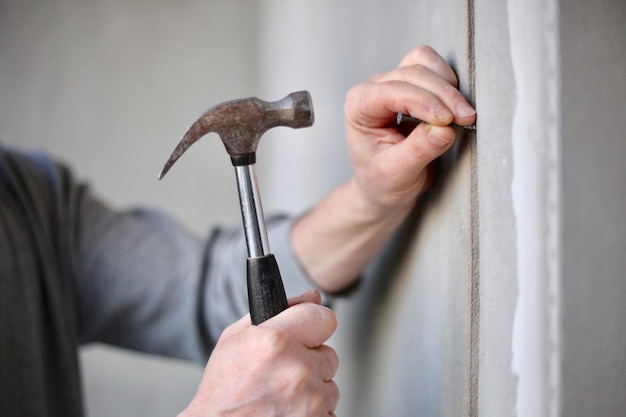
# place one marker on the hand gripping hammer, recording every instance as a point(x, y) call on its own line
point(240, 124)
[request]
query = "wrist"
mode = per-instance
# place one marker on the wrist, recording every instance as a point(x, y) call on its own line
point(372, 209)
point(337, 239)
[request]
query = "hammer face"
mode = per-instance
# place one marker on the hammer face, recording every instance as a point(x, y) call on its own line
point(241, 123)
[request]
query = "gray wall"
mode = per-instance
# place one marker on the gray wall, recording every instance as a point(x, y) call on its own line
point(593, 179)
point(504, 294)
point(501, 296)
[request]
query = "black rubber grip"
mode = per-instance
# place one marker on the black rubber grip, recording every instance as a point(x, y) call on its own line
point(266, 293)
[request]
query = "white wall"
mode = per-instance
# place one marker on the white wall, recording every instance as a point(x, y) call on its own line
point(503, 294)
point(520, 240)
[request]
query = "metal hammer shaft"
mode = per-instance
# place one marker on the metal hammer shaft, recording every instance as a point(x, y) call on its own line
point(266, 293)
point(252, 211)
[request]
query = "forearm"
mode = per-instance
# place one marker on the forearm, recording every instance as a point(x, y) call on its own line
point(347, 229)
point(337, 239)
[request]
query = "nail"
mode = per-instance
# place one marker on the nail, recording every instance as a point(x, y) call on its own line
point(465, 110)
point(443, 114)
point(403, 118)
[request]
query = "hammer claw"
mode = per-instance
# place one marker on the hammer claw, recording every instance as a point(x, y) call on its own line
point(200, 128)
point(241, 123)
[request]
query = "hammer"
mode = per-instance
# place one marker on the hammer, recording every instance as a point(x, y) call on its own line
point(240, 124)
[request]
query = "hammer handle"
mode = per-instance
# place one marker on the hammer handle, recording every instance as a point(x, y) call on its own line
point(266, 293)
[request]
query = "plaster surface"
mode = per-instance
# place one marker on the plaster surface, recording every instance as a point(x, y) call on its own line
point(593, 58)
point(537, 192)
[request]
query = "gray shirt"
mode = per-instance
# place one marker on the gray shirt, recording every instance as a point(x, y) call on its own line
point(74, 271)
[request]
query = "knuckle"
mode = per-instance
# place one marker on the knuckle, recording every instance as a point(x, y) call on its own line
point(421, 53)
point(450, 91)
point(413, 73)
point(420, 68)
point(333, 359)
point(271, 342)
point(352, 99)
point(332, 393)
point(297, 379)
point(330, 353)
point(424, 50)
point(319, 315)
point(316, 405)
point(299, 375)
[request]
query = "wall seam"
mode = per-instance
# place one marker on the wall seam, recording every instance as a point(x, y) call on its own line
point(474, 342)
point(553, 208)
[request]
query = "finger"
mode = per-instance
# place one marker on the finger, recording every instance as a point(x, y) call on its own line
point(421, 147)
point(312, 296)
point(377, 104)
point(321, 400)
point(425, 78)
point(311, 324)
point(327, 362)
point(428, 57)
point(332, 397)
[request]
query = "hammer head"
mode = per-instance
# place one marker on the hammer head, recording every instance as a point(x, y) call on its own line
point(241, 123)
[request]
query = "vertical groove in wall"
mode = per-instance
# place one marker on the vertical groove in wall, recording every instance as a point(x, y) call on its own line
point(553, 209)
point(474, 293)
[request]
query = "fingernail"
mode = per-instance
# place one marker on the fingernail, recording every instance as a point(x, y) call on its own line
point(437, 139)
point(443, 114)
point(313, 293)
point(465, 110)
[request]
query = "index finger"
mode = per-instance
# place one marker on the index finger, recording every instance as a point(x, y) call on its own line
point(311, 324)
point(240, 325)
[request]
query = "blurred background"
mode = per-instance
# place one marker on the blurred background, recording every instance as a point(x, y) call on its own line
point(504, 293)
point(109, 87)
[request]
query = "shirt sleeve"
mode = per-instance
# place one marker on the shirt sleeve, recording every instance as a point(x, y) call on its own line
point(142, 280)
point(146, 283)
point(226, 279)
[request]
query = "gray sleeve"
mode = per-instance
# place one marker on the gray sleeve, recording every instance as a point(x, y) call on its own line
point(146, 283)
point(227, 277)
point(136, 278)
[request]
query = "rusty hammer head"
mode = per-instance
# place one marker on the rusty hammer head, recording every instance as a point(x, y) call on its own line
point(241, 123)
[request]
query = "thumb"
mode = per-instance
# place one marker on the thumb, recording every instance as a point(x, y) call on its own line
point(312, 296)
point(311, 324)
point(425, 144)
